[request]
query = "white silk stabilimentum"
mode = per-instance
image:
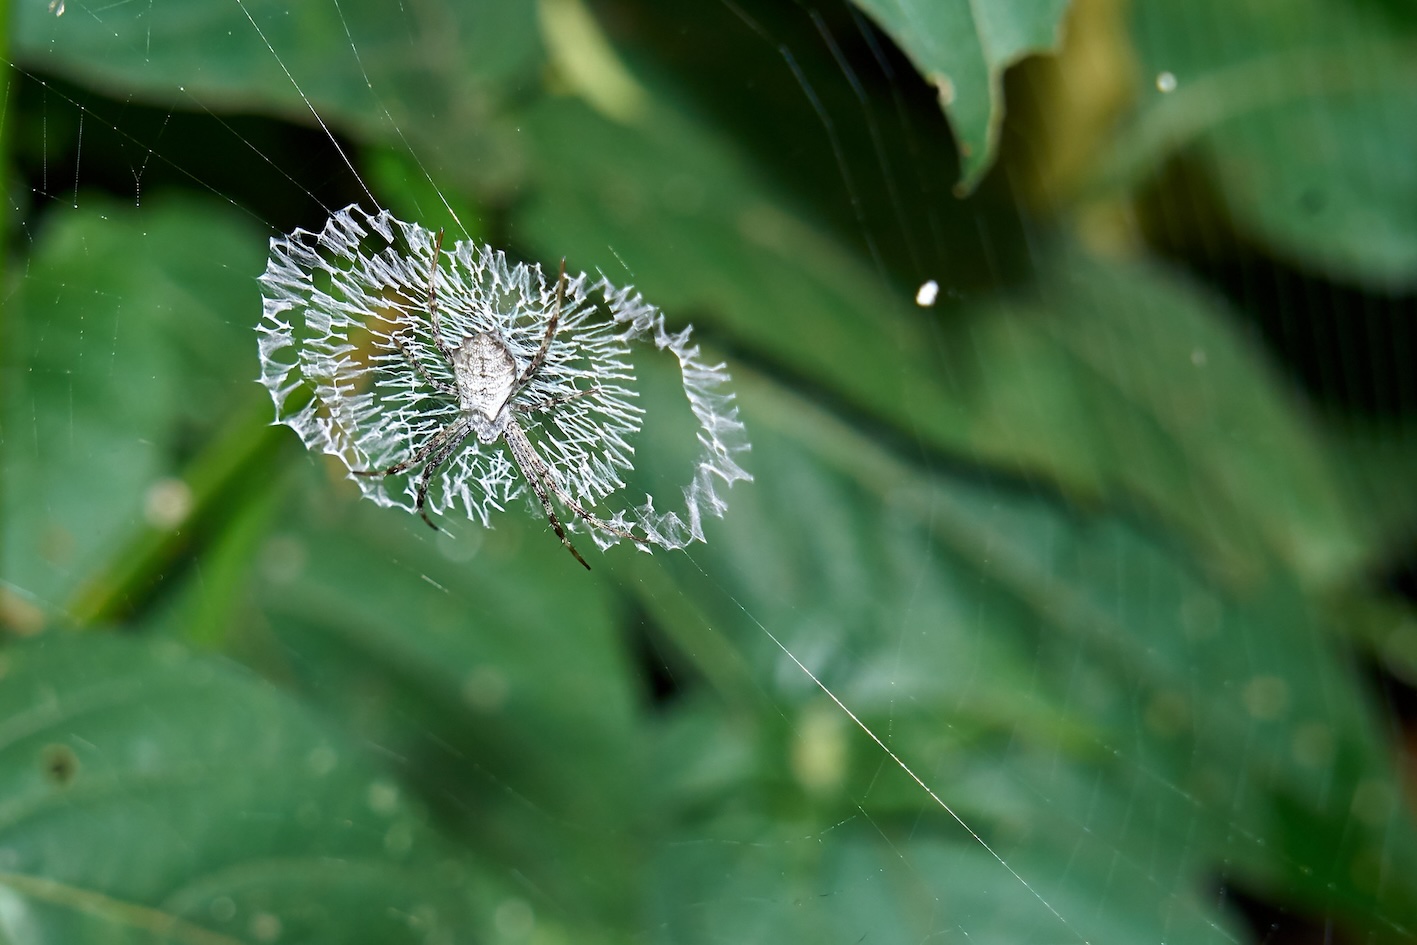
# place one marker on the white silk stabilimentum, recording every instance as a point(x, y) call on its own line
point(351, 358)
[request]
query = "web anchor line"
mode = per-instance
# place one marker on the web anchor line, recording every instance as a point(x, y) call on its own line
point(899, 762)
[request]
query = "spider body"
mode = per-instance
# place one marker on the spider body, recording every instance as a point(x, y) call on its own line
point(486, 376)
point(442, 384)
point(486, 382)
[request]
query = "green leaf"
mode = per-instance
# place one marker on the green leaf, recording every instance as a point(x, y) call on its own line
point(1076, 690)
point(153, 796)
point(875, 880)
point(962, 48)
point(368, 66)
point(1126, 380)
point(1117, 382)
point(487, 660)
point(679, 213)
point(135, 333)
point(497, 675)
point(1305, 117)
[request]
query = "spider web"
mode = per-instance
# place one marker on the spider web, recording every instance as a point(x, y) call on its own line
point(374, 408)
point(901, 700)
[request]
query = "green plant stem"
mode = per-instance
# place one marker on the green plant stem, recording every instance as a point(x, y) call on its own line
point(6, 329)
point(243, 450)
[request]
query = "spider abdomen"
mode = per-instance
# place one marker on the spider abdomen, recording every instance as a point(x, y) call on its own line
point(486, 376)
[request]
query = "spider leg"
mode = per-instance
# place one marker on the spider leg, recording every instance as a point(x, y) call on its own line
point(540, 491)
point(441, 387)
point(557, 401)
point(443, 348)
point(449, 447)
point(580, 511)
point(543, 482)
point(540, 358)
point(428, 448)
point(433, 455)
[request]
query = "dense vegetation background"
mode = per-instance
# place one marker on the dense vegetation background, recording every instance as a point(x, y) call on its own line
point(1111, 545)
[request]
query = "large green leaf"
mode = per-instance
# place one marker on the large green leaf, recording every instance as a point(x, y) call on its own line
point(488, 661)
point(147, 795)
point(1081, 695)
point(1129, 380)
point(134, 335)
point(1115, 381)
point(375, 67)
point(1305, 115)
point(878, 881)
point(962, 47)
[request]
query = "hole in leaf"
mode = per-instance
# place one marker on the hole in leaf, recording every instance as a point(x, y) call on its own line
point(60, 764)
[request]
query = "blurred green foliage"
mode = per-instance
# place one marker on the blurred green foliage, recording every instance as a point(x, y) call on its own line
point(1092, 546)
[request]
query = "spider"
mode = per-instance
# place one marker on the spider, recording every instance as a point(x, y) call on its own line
point(487, 381)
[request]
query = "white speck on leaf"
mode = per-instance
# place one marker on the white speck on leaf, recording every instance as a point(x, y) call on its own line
point(926, 295)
